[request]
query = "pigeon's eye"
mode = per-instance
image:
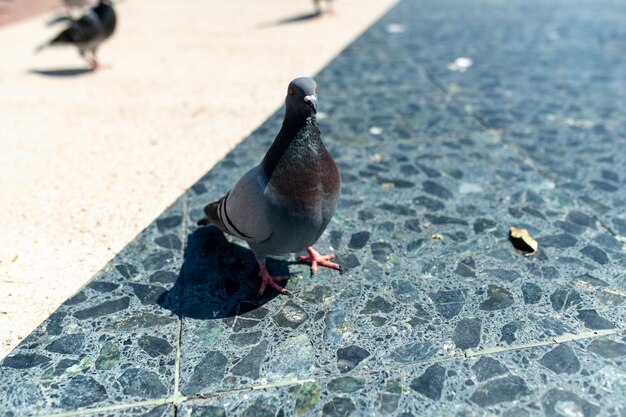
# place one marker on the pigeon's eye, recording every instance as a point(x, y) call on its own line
point(292, 91)
point(317, 90)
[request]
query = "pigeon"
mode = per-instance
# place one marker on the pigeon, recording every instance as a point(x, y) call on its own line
point(284, 204)
point(329, 7)
point(88, 32)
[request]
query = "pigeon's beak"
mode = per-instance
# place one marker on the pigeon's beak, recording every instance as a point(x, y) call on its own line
point(311, 101)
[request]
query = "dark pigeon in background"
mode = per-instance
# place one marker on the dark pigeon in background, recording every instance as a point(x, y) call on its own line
point(329, 7)
point(284, 204)
point(88, 32)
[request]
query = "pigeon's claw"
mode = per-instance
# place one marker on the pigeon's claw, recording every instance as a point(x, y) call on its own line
point(316, 259)
point(96, 65)
point(271, 281)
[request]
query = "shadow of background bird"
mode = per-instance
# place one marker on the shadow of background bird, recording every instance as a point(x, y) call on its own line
point(63, 72)
point(319, 12)
point(289, 20)
point(218, 279)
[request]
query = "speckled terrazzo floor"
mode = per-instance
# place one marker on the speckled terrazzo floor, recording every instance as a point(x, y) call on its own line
point(436, 313)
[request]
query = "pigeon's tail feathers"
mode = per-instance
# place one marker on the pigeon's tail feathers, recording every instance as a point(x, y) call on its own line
point(60, 39)
point(212, 216)
point(43, 46)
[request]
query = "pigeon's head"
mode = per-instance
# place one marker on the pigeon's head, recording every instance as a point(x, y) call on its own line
point(302, 96)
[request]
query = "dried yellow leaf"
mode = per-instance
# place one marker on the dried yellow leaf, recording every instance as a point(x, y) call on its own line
point(522, 240)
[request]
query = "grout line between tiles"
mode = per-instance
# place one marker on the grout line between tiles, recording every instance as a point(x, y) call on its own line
point(178, 397)
point(174, 400)
point(86, 411)
point(565, 338)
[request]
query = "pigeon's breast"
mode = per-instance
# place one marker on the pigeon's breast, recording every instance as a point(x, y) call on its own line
point(306, 188)
point(302, 206)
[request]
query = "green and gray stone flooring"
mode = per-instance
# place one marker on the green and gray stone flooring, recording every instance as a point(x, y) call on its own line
point(436, 313)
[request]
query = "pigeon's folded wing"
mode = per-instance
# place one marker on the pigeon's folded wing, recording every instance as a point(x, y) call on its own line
point(85, 29)
point(243, 211)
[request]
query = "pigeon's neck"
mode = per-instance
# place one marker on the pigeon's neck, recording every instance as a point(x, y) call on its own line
point(298, 141)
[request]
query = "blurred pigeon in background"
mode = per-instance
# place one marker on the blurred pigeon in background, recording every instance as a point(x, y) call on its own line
point(284, 204)
point(88, 32)
point(329, 7)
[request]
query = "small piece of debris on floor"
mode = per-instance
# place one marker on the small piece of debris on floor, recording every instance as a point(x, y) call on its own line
point(460, 64)
point(522, 240)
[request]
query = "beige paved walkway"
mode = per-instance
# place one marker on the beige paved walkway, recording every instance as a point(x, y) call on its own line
point(15, 10)
point(88, 161)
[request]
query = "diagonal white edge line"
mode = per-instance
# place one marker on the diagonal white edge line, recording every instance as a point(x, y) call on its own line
point(83, 411)
point(564, 338)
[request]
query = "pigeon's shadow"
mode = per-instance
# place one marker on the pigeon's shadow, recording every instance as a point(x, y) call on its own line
point(63, 72)
point(294, 19)
point(218, 279)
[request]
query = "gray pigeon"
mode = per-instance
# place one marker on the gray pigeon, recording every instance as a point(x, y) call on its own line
point(284, 204)
point(329, 7)
point(88, 32)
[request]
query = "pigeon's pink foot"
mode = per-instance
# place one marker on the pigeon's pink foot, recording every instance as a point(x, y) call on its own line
point(95, 65)
point(271, 280)
point(316, 259)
